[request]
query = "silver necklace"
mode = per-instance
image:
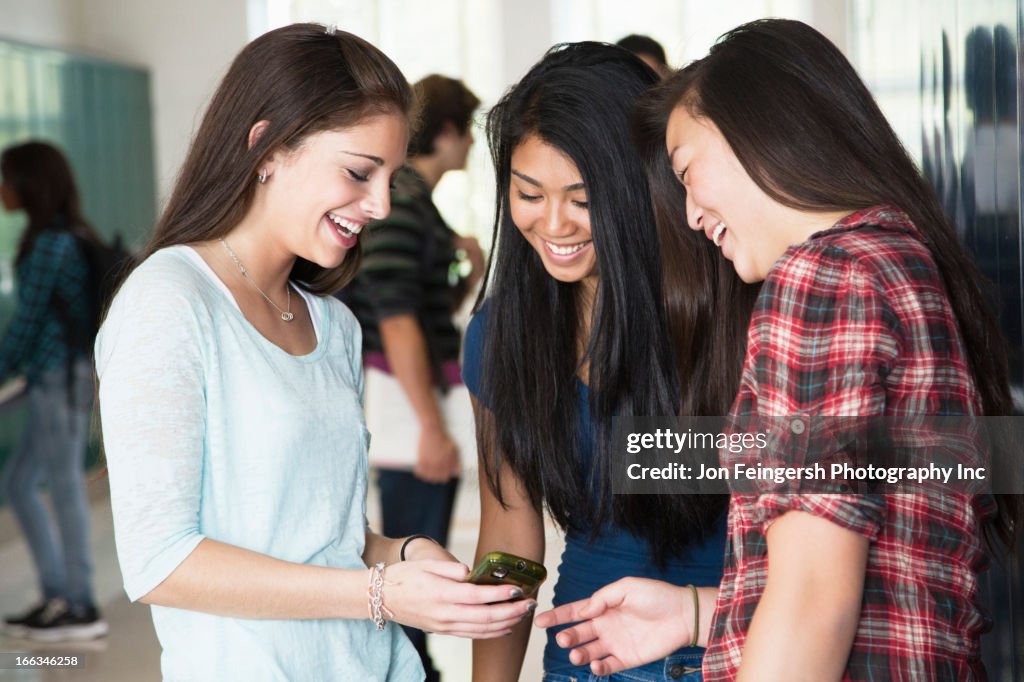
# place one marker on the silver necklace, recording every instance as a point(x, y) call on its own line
point(286, 315)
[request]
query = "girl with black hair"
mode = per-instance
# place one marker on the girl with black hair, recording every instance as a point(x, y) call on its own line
point(573, 329)
point(869, 308)
point(54, 305)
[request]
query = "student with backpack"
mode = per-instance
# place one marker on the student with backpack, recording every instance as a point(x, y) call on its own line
point(49, 340)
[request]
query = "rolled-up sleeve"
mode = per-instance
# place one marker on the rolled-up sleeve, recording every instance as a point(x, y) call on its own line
point(822, 343)
point(862, 514)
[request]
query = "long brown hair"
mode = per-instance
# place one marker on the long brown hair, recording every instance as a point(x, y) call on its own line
point(303, 79)
point(41, 179)
point(809, 133)
point(707, 305)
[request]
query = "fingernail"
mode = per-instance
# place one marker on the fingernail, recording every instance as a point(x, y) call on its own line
point(531, 606)
point(516, 593)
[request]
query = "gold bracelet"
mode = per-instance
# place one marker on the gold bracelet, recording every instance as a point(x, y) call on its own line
point(696, 616)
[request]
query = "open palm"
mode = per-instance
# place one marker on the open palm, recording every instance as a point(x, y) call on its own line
point(628, 623)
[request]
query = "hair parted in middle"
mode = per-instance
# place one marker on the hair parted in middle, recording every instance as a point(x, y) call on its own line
point(579, 99)
point(303, 79)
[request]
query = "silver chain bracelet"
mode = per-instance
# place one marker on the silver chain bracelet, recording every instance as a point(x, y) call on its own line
point(375, 593)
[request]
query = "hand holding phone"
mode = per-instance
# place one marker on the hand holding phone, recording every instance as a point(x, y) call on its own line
point(501, 568)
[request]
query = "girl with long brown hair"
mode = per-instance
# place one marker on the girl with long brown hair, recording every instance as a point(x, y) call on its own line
point(231, 389)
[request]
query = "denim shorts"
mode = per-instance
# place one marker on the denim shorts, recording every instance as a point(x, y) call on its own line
point(676, 668)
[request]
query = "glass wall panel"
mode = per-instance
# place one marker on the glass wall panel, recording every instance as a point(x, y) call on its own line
point(946, 72)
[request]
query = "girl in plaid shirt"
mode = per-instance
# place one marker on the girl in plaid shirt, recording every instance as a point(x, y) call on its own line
point(869, 308)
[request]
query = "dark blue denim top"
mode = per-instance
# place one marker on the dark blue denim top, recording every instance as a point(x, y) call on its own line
point(586, 565)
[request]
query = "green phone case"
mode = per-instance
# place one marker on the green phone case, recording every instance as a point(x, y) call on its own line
point(500, 568)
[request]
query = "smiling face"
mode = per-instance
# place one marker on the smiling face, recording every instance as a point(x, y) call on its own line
point(320, 196)
point(721, 199)
point(548, 203)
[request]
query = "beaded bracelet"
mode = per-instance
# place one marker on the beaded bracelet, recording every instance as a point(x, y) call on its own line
point(375, 594)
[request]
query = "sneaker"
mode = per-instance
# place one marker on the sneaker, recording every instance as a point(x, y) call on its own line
point(60, 622)
point(14, 625)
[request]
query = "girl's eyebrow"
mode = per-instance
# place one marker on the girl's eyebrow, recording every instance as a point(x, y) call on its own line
point(568, 188)
point(377, 161)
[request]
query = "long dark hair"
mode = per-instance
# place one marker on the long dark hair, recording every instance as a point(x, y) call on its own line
point(707, 305)
point(809, 133)
point(303, 80)
point(41, 179)
point(578, 99)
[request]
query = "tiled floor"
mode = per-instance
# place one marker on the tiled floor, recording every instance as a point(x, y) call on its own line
point(131, 652)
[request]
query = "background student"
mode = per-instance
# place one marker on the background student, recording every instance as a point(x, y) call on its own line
point(48, 339)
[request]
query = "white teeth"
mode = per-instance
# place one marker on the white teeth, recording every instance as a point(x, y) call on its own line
point(718, 234)
point(353, 228)
point(566, 250)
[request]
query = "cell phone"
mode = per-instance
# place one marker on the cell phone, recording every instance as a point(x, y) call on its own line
point(501, 568)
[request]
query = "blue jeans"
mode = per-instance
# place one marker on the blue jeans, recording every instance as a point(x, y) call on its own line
point(682, 667)
point(410, 506)
point(52, 450)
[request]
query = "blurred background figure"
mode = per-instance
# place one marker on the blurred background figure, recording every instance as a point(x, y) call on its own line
point(409, 286)
point(649, 50)
point(49, 339)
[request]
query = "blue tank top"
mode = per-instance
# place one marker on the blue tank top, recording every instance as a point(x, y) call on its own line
point(588, 565)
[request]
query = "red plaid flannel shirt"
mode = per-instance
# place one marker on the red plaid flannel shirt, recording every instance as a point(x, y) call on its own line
point(856, 322)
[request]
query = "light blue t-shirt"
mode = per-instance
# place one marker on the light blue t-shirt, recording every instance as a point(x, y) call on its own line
point(210, 430)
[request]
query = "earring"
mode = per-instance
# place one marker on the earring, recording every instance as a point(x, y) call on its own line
point(262, 177)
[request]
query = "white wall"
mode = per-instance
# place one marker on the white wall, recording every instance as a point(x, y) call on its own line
point(187, 45)
point(526, 34)
point(832, 17)
point(51, 23)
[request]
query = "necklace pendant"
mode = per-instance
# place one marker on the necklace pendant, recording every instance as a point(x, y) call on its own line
point(287, 316)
